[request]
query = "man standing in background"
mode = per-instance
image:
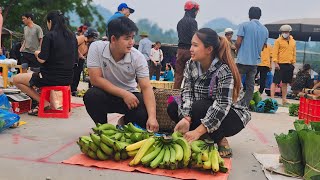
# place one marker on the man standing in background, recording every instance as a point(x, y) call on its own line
point(228, 33)
point(123, 10)
point(145, 46)
point(32, 42)
point(284, 58)
point(186, 28)
point(252, 36)
point(156, 57)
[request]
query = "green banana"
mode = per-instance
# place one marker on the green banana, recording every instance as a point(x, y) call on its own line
point(118, 136)
point(84, 151)
point(92, 154)
point(132, 153)
point(166, 157)
point(118, 146)
point(179, 151)
point(221, 161)
point(109, 132)
point(93, 146)
point(172, 155)
point(196, 146)
point(142, 151)
point(205, 154)
point(95, 130)
point(134, 129)
point(186, 150)
point(106, 149)
point(176, 135)
point(101, 155)
point(208, 164)
point(95, 138)
point(107, 126)
point(214, 160)
point(126, 128)
point(123, 139)
point(128, 141)
point(150, 156)
point(194, 156)
point(158, 159)
point(145, 135)
point(108, 141)
point(199, 163)
point(85, 147)
point(127, 135)
point(117, 156)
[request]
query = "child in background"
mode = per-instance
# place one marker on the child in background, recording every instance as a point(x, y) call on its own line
point(303, 80)
point(168, 74)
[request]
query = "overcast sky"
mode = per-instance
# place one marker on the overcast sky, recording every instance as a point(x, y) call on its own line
point(166, 13)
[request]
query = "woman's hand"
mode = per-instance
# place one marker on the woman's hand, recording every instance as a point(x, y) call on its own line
point(183, 126)
point(36, 53)
point(192, 135)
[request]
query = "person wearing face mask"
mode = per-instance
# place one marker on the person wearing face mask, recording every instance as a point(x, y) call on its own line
point(284, 58)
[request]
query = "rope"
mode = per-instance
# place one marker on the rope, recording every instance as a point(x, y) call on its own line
point(314, 169)
point(290, 162)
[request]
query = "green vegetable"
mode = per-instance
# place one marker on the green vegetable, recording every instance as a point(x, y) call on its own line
point(290, 150)
point(299, 125)
point(293, 109)
point(256, 97)
point(252, 105)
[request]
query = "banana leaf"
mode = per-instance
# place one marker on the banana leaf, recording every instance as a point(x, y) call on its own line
point(310, 142)
point(315, 126)
point(290, 150)
point(299, 125)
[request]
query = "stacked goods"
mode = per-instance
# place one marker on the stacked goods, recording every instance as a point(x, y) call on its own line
point(300, 150)
point(290, 150)
point(206, 156)
point(310, 142)
point(294, 109)
point(109, 141)
point(160, 152)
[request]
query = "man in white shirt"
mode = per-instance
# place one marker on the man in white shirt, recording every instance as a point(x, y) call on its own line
point(156, 56)
point(115, 67)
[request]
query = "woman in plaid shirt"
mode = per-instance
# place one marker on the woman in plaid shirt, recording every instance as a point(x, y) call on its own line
point(210, 97)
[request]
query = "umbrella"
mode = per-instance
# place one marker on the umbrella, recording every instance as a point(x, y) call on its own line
point(304, 29)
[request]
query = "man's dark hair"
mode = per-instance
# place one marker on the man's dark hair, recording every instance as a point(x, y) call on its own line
point(121, 26)
point(254, 13)
point(28, 15)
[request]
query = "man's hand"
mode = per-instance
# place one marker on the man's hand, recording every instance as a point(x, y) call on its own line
point(36, 53)
point(131, 100)
point(183, 126)
point(152, 125)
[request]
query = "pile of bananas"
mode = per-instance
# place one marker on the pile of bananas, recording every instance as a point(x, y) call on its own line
point(110, 141)
point(160, 152)
point(206, 156)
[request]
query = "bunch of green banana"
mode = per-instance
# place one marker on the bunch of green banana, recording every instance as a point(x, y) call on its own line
point(206, 156)
point(110, 141)
point(81, 93)
point(160, 152)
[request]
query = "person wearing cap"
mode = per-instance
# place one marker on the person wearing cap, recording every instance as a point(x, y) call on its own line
point(186, 28)
point(116, 68)
point(81, 29)
point(264, 66)
point(284, 58)
point(145, 46)
point(123, 10)
point(228, 32)
point(84, 42)
point(252, 36)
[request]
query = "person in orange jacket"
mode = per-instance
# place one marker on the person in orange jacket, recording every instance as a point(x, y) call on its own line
point(284, 57)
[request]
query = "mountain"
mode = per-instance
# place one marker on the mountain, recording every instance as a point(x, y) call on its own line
point(75, 20)
point(219, 24)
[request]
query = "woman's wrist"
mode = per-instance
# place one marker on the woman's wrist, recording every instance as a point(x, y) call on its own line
point(187, 118)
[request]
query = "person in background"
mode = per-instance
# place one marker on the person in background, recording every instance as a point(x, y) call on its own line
point(303, 80)
point(210, 97)
point(251, 38)
point(1, 23)
point(186, 28)
point(168, 73)
point(123, 10)
point(32, 42)
point(58, 54)
point(228, 32)
point(84, 42)
point(116, 68)
point(264, 66)
point(145, 46)
point(81, 29)
point(156, 56)
point(284, 58)
point(2, 56)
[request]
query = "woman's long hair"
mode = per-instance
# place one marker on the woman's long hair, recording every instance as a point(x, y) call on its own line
point(58, 23)
point(221, 49)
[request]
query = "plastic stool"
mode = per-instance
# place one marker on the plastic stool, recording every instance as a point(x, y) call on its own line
point(66, 104)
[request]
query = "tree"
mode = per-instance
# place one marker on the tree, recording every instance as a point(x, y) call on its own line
point(14, 9)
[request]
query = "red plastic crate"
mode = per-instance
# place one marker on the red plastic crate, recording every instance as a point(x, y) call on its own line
point(21, 107)
point(309, 109)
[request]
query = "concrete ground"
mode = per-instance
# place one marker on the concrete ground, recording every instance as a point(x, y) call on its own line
point(35, 150)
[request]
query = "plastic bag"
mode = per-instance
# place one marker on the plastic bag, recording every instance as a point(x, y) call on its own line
point(7, 119)
point(4, 103)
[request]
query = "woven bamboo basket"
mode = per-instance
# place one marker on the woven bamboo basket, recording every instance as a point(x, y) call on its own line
point(162, 95)
point(162, 84)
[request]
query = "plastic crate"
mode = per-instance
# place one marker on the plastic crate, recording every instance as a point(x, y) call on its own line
point(309, 109)
point(21, 107)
